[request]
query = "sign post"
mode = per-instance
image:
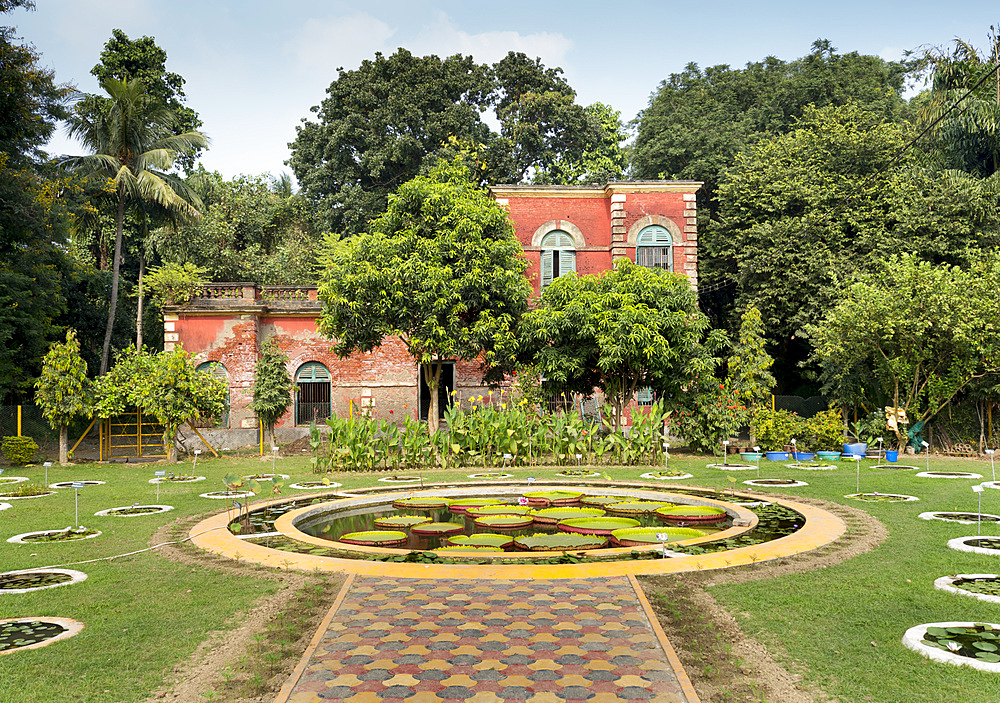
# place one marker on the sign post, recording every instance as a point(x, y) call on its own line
point(992, 468)
point(47, 464)
point(664, 538)
point(77, 485)
point(158, 474)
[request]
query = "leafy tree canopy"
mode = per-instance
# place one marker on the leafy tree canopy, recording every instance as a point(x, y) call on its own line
point(61, 389)
point(441, 270)
point(700, 119)
point(272, 386)
point(618, 331)
point(921, 331)
point(393, 117)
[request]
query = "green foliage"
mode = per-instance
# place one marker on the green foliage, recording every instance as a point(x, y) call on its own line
point(619, 331)
point(174, 284)
point(749, 364)
point(441, 270)
point(19, 450)
point(61, 390)
point(826, 430)
point(774, 429)
point(708, 414)
point(165, 385)
point(272, 385)
point(395, 117)
point(602, 161)
point(925, 331)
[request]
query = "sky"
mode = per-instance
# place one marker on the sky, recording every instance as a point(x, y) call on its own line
point(254, 69)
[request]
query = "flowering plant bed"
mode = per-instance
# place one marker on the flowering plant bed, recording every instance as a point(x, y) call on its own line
point(812, 467)
point(666, 475)
point(227, 495)
point(577, 473)
point(176, 479)
point(68, 534)
point(491, 475)
point(310, 485)
point(775, 482)
point(265, 477)
point(26, 490)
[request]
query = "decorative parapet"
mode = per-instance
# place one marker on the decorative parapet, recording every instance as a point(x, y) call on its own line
point(251, 297)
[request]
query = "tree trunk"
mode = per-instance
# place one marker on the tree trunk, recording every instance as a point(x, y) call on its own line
point(63, 444)
point(432, 377)
point(171, 448)
point(138, 314)
point(113, 307)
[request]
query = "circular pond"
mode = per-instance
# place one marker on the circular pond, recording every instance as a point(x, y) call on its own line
point(28, 580)
point(18, 634)
point(490, 475)
point(313, 485)
point(732, 467)
point(666, 475)
point(69, 484)
point(227, 495)
point(177, 479)
point(876, 497)
point(134, 510)
point(984, 587)
point(948, 474)
point(70, 534)
point(775, 482)
point(977, 544)
point(960, 643)
point(812, 467)
point(962, 518)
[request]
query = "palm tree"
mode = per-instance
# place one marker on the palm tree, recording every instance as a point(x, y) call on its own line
point(132, 145)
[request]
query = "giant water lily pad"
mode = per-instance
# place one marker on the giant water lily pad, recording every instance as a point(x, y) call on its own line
point(637, 507)
point(601, 500)
point(504, 522)
point(461, 505)
point(376, 538)
point(438, 528)
point(483, 539)
point(560, 541)
point(498, 510)
point(550, 516)
point(469, 548)
point(642, 536)
point(553, 497)
point(597, 525)
point(401, 522)
point(421, 503)
point(692, 513)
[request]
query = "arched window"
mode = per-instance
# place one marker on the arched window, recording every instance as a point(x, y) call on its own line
point(654, 248)
point(219, 371)
point(312, 399)
point(558, 255)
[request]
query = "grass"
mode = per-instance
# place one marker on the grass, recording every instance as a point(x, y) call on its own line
point(145, 614)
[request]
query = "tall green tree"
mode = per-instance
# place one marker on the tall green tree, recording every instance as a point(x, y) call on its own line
point(924, 331)
point(272, 386)
point(61, 390)
point(440, 269)
point(619, 331)
point(600, 161)
point(133, 145)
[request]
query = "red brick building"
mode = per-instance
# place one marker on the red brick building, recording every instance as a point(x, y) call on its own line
point(561, 228)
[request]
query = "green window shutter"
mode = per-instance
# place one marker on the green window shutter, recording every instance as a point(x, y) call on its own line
point(312, 372)
point(567, 261)
point(547, 267)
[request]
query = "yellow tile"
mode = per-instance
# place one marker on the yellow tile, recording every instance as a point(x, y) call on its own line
point(574, 680)
point(632, 680)
point(467, 649)
point(343, 680)
point(488, 665)
point(380, 664)
point(495, 637)
point(545, 697)
point(401, 680)
point(305, 697)
point(422, 697)
point(364, 697)
point(518, 680)
point(541, 664)
point(459, 680)
point(439, 664)
point(481, 697)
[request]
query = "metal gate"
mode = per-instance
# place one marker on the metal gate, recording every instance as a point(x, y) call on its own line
point(131, 434)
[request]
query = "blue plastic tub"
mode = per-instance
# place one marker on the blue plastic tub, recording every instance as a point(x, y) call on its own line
point(776, 456)
point(891, 455)
point(828, 456)
point(751, 456)
point(859, 448)
point(804, 456)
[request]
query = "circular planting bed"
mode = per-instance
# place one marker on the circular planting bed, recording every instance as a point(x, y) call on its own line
point(227, 495)
point(401, 522)
point(491, 475)
point(645, 536)
point(177, 479)
point(948, 474)
point(70, 534)
point(876, 497)
point(811, 466)
point(401, 479)
point(375, 538)
point(438, 529)
point(691, 513)
point(265, 477)
point(421, 503)
point(901, 467)
point(732, 467)
point(551, 516)
point(26, 490)
point(666, 475)
point(775, 482)
point(17, 634)
point(69, 484)
point(29, 580)
point(959, 643)
point(134, 510)
point(962, 518)
point(977, 544)
point(504, 522)
point(990, 484)
point(481, 540)
point(603, 526)
point(559, 541)
point(9, 480)
point(313, 485)
point(5, 506)
point(984, 587)
point(577, 473)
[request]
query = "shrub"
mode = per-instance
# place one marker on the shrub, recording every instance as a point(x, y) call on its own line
point(826, 430)
point(19, 450)
point(775, 428)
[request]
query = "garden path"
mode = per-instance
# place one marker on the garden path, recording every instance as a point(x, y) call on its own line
point(386, 640)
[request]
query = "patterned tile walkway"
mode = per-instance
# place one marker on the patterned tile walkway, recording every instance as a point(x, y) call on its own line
point(390, 640)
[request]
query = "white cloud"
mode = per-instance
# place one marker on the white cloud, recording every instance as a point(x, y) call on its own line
point(325, 44)
point(443, 38)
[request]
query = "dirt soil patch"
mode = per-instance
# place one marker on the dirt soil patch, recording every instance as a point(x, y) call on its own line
point(724, 664)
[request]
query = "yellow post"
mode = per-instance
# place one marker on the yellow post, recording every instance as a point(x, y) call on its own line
point(100, 441)
point(18, 420)
point(261, 427)
point(204, 440)
point(350, 409)
point(83, 435)
point(138, 431)
point(989, 421)
point(772, 402)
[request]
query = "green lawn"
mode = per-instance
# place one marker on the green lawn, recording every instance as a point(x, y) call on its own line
point(144, 613)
